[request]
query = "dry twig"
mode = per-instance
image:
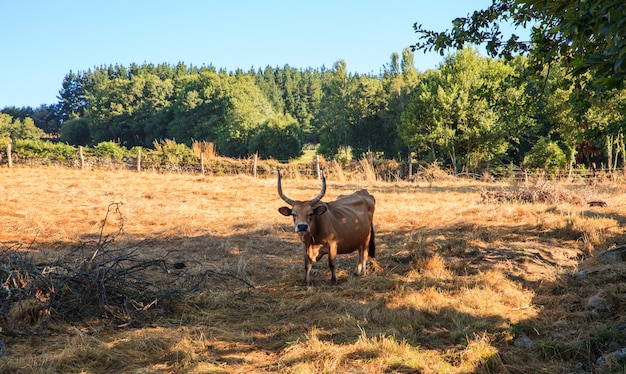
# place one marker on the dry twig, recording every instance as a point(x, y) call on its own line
point(95, 280)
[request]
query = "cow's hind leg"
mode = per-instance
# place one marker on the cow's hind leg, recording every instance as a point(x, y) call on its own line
point(361, 266)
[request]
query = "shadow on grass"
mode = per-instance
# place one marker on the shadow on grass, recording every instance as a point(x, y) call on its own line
point(281, 318)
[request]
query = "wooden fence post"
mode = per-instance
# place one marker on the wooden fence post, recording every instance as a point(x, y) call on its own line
point(139, 160)
point(317, 166)
point(256, 160)
point(202, 162)
point(9, 155)
point(82, 157)
point(410, 167)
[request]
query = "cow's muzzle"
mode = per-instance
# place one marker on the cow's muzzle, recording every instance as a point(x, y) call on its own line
point(303, 227)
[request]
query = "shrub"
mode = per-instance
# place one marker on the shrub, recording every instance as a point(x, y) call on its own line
point(31, 149)
point(273, 141)
point(4, 141)
point(63, 151)
point(174, 154)
point(76, 132)
point(109, 149)
point(35, 149)
point(546, 155)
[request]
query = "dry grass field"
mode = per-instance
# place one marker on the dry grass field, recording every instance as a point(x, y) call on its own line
point(459, 285)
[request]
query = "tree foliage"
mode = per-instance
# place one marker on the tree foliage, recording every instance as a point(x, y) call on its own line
point(469, 113)
point(545, 154)
point(451, 115)
point(76, 131)
point(45, 117)
point(585, 35)
point(278, 138)
point(575, 66)
point(16, 129)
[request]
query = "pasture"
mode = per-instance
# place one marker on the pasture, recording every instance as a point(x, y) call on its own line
point(459, 285)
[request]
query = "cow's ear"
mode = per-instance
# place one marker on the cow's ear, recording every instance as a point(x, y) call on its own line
point(285, 210)
point(320, 210)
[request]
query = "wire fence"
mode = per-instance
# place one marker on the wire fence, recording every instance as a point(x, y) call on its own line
point(368, 168)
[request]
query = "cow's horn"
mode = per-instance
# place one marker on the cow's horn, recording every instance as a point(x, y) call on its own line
point(321, 194)
point(280, 191)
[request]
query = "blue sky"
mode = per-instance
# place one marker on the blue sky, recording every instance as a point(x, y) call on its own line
point(42, 41)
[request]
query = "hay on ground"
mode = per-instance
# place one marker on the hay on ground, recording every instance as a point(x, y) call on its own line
point(542, 192)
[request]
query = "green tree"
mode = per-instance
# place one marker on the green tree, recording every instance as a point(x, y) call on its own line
point(516, 101)
point(18, 113)
point(16, 129)
point(47, 118)
point(294, 92)
point(605, 118)
point(194, 112)
point(423, 125)
point(545, 154)
point(336, 110)
point(268, 81)
point(121, 109)
point(279, 138)
point(72, 100)
point(245, 108)
point(585, 35)
point(76, 132)
point(558, 112)
point(218, 107)
point(366, 132)
point(451, 114)
point(399, 80)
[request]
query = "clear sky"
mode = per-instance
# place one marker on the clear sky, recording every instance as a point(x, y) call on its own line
point(43, 40)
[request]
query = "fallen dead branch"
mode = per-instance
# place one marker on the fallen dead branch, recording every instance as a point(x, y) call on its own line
point(96, 283)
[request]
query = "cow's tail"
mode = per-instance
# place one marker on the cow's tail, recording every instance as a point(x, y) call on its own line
point(371, 251)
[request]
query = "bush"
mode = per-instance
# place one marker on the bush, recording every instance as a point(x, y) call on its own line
point(281, 143)
point(31, 149)
point(4, 141)
point(44, 150)
point(63, 151)
point(109, 149)
point(76, 132)
point(171, 153)
point(546, 155)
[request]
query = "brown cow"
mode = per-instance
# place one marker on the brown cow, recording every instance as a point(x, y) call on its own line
point(341, 226)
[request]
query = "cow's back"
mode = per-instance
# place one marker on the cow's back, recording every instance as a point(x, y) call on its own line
point(348, 220)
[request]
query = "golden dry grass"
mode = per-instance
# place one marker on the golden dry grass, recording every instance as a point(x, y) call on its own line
point(456, 281)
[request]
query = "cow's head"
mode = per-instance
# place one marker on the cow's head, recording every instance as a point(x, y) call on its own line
point(302, 212)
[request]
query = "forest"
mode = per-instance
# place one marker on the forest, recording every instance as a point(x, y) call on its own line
point(470, 113)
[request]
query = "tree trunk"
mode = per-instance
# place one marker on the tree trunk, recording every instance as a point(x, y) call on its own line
point(622, 148)
point(609, 152)
point(452, 154)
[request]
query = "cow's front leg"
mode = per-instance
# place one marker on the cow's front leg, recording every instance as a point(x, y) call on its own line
point(308, 265)
point(332, 254)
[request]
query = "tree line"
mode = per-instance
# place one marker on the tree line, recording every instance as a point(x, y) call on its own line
point(578, 48)
point(470, 113)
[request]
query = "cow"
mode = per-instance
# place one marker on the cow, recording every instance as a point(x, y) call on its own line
point(338, 227)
